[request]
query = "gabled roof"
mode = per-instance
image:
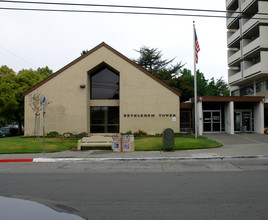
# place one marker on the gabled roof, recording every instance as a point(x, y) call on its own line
point(92, 51)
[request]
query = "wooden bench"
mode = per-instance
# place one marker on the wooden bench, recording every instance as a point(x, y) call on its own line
point(95, 141)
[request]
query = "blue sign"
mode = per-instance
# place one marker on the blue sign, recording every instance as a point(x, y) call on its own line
point(43, 99)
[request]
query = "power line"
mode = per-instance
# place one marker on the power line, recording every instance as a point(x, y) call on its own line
point(114, 6)
point(124, 6)
point(122, 12)
point(108, 12)
point(20, 59)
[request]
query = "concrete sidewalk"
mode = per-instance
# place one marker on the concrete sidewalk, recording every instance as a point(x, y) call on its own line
point(235, 146)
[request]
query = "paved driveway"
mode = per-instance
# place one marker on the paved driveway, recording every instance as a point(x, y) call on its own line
point(237, 139)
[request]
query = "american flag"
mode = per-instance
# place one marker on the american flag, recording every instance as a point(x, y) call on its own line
point(197, 48)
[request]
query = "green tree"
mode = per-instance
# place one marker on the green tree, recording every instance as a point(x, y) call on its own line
point(151, 60)
point(223, 87)
point(12, 86)
point(187, 86)
point(83, 52)
point(218, 88)
point(7, 95)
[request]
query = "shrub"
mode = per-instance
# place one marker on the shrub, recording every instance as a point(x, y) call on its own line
point(266, 131)
point(52, 133)
point(83, 134)
point(129, 132)
point(140, 133)
point(68, 134)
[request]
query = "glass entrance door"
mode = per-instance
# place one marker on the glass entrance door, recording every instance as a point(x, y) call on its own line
point(243, 120)
point(212, 121)
point(104, 119)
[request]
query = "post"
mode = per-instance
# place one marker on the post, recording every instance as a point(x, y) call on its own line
point(195, 84)
point(44, 112)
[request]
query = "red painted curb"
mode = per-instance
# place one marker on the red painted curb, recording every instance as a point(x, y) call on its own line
point(15, 160)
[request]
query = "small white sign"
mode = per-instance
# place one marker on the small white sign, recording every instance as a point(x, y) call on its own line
point(174, 119)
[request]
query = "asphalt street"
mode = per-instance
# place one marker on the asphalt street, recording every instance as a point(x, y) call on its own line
point(199, 189)
point(140, 166)
point(224, 183)
point(161, 195)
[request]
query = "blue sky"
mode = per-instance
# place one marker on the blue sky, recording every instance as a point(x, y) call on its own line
point(36, 39)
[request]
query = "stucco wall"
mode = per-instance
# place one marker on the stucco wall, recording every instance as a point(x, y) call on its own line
point(139, 95)
point(68, 103)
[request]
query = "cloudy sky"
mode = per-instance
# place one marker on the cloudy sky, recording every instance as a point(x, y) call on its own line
point(31, 39)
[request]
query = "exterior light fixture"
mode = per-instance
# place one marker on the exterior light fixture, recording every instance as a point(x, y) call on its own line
point(82, 86)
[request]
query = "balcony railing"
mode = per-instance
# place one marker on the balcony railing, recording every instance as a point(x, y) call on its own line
point(246, 4)
point(262, 19)
point(232, 17)
point(233, 38)
point(235, 77)
point(250, 24)
point(234, 58)
point(230, 2)
point(252, 70)
point(252, 46)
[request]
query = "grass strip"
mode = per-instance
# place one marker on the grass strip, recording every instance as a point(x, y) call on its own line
point(12, 145)
point(181, 143)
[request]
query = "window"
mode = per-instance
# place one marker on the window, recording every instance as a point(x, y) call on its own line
point(104, 84)
point(260, 87)
point(235, 93)
point(247, 90)
point(185, 121)
point(104, 119)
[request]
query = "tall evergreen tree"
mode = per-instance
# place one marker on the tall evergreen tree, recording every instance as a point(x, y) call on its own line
point(151, 60)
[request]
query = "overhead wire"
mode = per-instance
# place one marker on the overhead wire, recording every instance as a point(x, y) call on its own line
point(122, 12)
point(111, 12)
point(107, 5)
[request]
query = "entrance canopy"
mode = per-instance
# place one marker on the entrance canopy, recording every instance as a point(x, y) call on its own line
point(228, 114)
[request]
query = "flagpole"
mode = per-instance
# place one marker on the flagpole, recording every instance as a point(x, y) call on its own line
point(195, 85)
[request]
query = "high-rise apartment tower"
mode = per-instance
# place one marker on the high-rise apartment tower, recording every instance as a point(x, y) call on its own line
point(247, 41)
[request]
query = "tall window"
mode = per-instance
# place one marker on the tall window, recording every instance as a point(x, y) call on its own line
point(104, 119)
point(104, 84)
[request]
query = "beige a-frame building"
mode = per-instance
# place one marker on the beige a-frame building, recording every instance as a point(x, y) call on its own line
point(103, 91)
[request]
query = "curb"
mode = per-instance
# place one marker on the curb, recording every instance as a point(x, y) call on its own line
point(16, 160)
point(58, 160)
point(55, 160)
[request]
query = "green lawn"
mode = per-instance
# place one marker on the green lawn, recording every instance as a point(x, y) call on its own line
point(13, 145)
point(181, 143)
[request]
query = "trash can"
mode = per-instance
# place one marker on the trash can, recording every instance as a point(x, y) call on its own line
point(168, 139)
